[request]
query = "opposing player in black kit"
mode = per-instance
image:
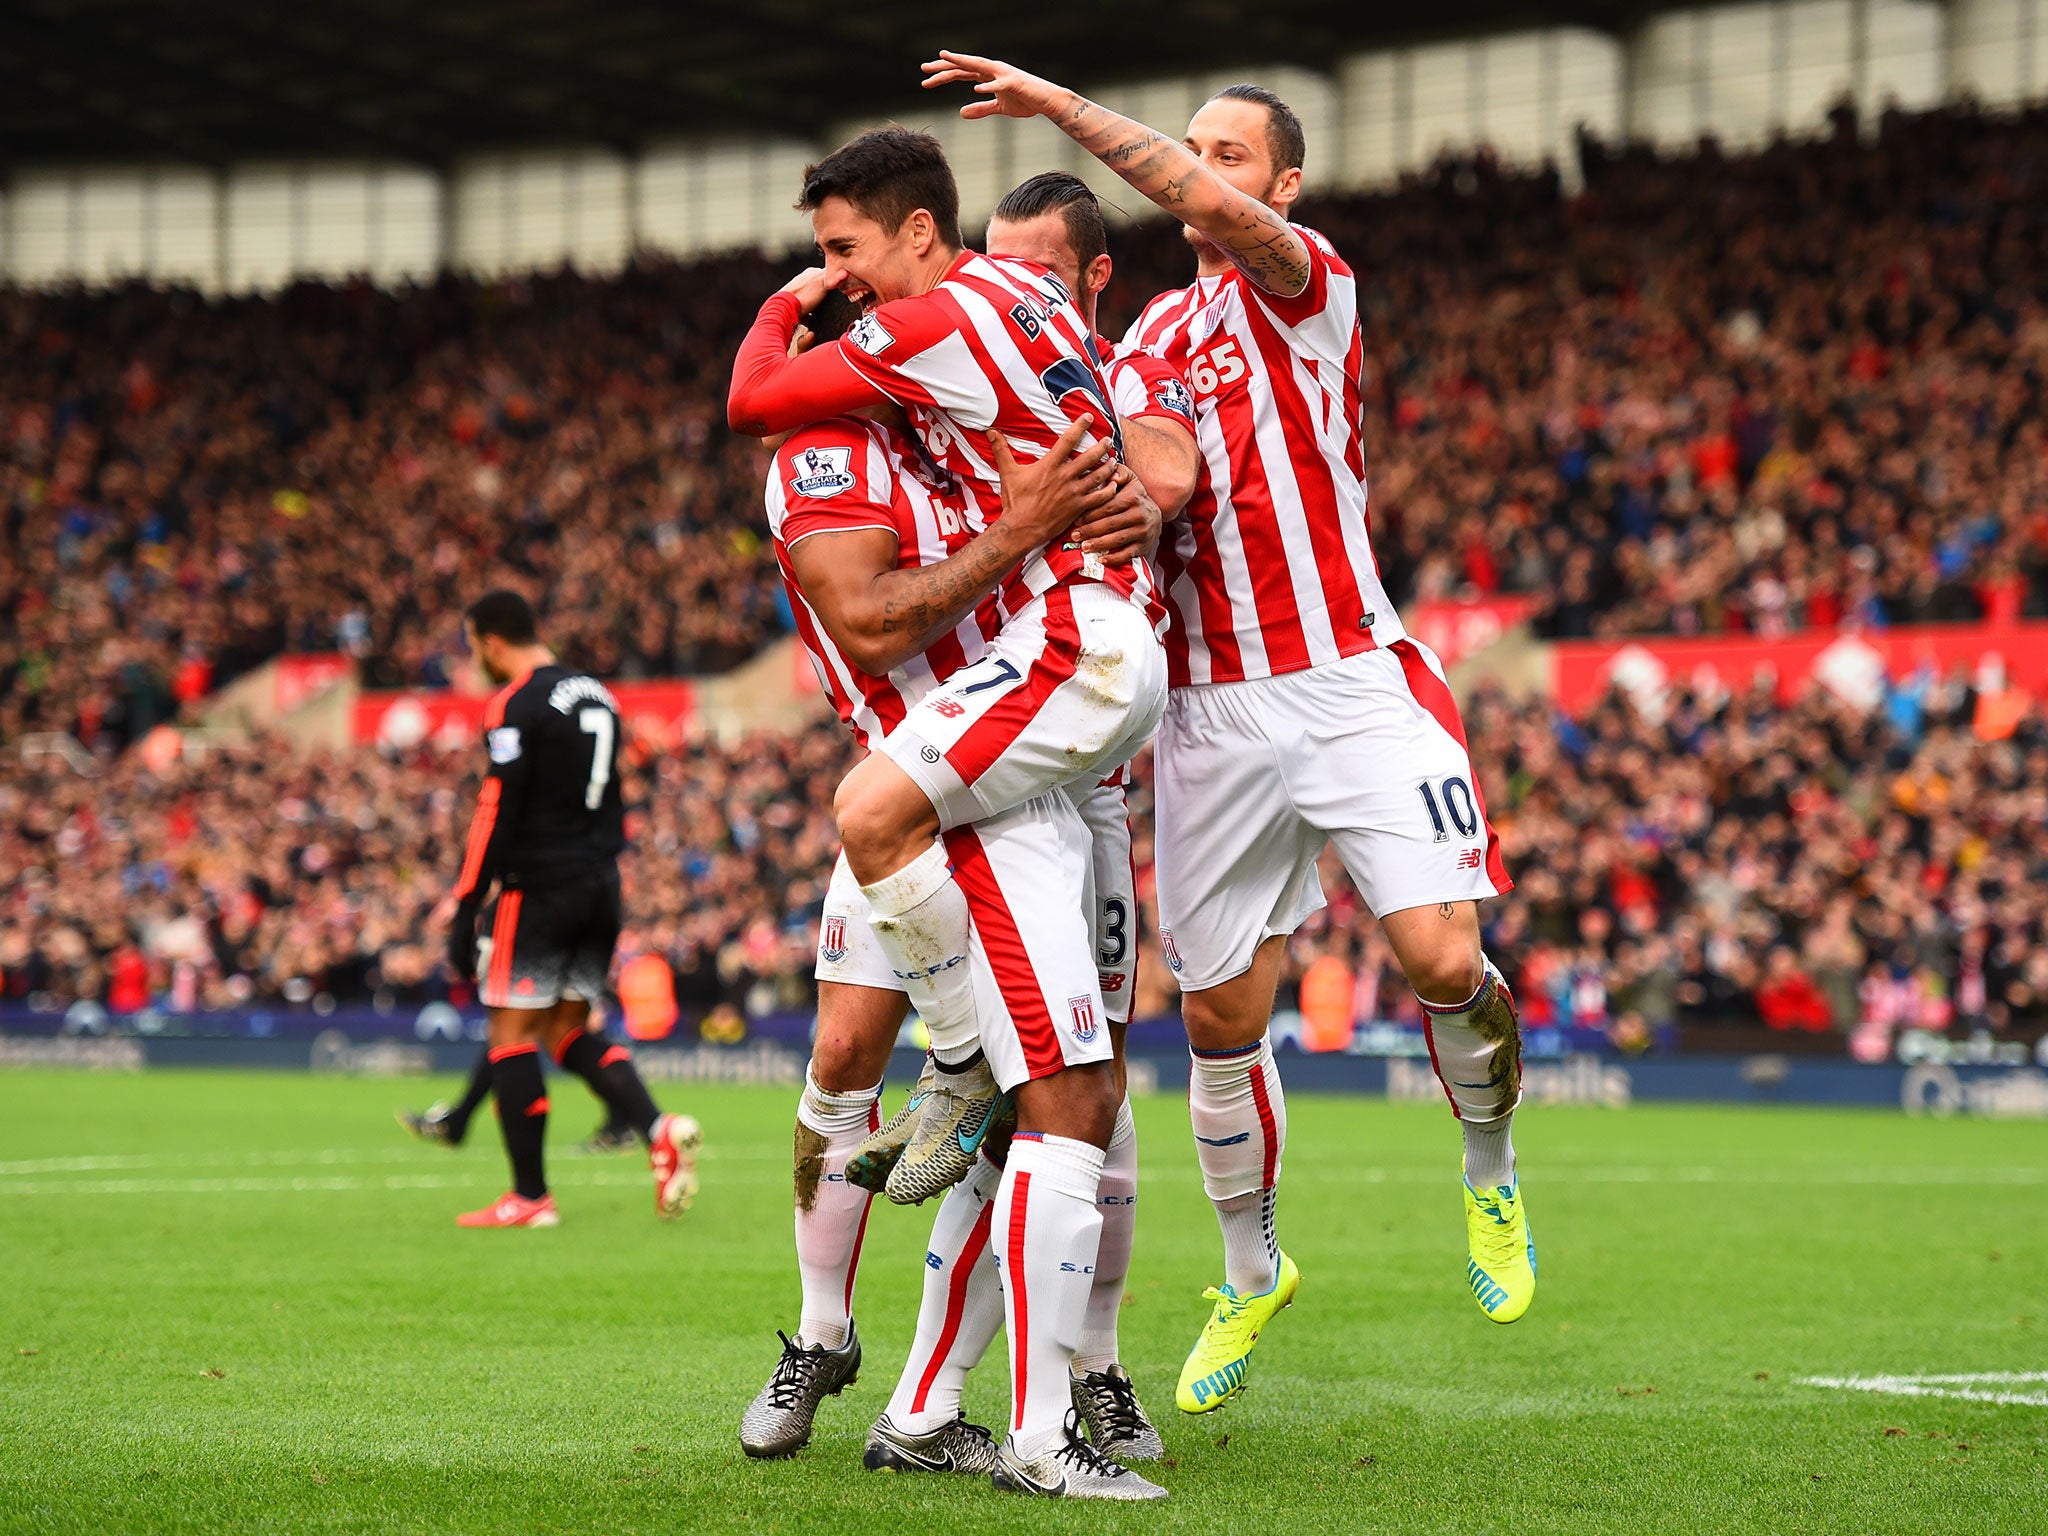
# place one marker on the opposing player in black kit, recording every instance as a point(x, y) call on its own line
point(548, 829)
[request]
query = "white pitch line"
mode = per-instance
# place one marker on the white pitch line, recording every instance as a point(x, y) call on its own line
point(1970, 1386)
point(302, 1184)
point(334, 1157)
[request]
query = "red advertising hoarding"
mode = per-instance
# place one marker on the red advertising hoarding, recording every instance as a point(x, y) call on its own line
point(1851, 664)
point(658, 712)
point(1455, 630)
point(301, 679)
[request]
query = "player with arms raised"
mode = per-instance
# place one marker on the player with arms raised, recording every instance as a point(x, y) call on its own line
point(1301, 713)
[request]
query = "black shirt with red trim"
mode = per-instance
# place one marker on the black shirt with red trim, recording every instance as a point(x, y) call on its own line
point(550, 806)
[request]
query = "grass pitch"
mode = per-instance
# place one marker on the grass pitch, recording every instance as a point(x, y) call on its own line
point(237, 1302)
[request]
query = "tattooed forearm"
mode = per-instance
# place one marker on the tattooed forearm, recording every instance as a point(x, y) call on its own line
point(1252, 235)
point(917, 604)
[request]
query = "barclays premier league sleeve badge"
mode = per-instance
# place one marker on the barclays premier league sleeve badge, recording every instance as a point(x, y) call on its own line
point(822, 472)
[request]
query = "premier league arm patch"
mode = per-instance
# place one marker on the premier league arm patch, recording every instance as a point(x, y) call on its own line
point(504, 744)
point(1172, 395)
point(821, 472)
point(867, 334)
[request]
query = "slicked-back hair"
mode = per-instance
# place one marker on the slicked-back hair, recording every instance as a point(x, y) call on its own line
point(888, 174)
point(503, 613)
point(1069, 196)
point(1285, 141)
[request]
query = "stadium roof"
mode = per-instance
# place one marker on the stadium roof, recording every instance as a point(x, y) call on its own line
point(426, 80)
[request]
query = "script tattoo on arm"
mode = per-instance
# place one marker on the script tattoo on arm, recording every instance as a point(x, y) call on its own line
point(920, 603)
point(1256, 238)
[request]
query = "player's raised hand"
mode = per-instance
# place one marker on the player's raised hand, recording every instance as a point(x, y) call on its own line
point(1005, 90)
point(810, 288)
point(1047, 496)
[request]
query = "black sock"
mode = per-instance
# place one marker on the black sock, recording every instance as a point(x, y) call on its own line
point(473, 1096)
point(522, 1114)
point(609, 1070)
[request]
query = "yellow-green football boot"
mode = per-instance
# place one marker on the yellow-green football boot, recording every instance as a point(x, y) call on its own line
point(1502, 1266)
point(1216, 1366)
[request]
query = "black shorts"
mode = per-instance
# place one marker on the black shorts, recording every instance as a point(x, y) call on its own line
point(538, 944)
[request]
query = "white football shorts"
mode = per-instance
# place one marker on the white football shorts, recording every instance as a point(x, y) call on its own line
point(1251, 780)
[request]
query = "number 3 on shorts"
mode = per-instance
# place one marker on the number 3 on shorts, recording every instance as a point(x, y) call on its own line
point(1455, 797)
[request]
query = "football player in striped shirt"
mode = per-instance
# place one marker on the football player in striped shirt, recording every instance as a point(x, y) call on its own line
point(982, 351)
point(1301, 714)
point(864, 526)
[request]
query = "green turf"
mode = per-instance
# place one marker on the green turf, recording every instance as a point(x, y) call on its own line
point(188, 1342)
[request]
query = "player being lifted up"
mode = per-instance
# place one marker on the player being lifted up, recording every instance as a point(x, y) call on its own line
point(1069, 689)
point(547, 833)
point(1301, 714)
point(836, 553)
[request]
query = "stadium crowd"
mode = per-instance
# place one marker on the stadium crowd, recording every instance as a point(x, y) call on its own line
point(1705, 861)
point(1795, 388)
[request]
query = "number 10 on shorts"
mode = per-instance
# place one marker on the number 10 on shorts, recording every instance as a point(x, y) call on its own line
point(1454, 798)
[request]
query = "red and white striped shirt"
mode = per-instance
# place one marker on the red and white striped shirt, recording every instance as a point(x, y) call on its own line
point(998, 344)
point(1272, 568)
point(844, 474)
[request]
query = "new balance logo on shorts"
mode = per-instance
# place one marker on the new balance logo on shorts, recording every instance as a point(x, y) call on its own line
point(832, 942)
point(952, 709)
point(1469, 859)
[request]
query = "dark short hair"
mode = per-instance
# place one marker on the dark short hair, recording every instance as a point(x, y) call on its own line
point(1285, 141)
point(888, 174)
point(1068, 195)
point(503, 613)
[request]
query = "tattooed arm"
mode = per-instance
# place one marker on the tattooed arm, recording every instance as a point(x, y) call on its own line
point(1262, 244)
point(880, 616)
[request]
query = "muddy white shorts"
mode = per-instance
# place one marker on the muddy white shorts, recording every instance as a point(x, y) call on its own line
point(1042, 927)
point(1252, 780)
point(1069, 691)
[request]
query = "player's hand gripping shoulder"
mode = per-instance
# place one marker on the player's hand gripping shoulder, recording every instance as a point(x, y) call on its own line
point(1265, 247)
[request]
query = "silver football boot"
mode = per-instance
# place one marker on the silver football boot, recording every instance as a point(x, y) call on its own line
point(953, 1122)
point(871, 1166)
point(955, 1447)
point(1073, 1470)
point(778, 1421)
point(1108, 1404)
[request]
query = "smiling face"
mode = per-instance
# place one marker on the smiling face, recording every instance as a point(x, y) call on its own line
point(1235, 140)
point(869, 264)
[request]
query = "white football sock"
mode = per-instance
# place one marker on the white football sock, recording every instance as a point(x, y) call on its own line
point(920, 919)
point(1047, 1229)
point(1240, 1119)
point(1117, 1199)
point(962, 1306)
point(1482, 1074)
point(834, 1218)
